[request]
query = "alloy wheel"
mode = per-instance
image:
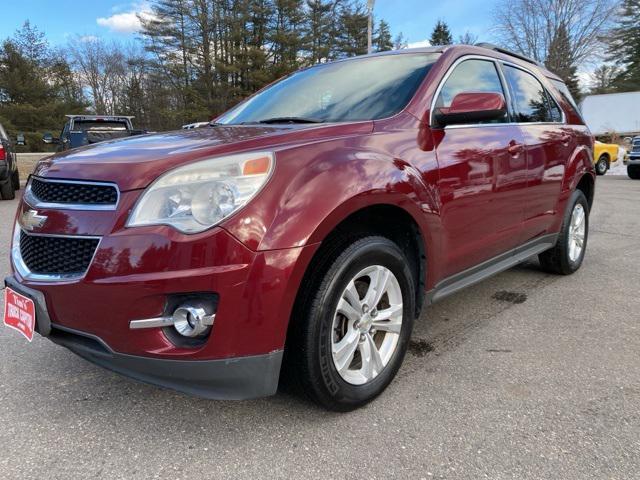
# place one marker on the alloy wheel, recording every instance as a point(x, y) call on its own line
point(577, 229)
point(366, 325)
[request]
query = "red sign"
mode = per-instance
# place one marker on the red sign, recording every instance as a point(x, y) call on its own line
point(19, 313)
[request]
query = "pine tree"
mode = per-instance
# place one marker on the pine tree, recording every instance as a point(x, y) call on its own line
point(441, 34)
point(353, 25)
point(559, 61)
point(382, 40)
point(624, 47)
point(319, 34)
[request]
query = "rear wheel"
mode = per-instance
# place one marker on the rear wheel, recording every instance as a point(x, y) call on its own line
point(602, 165)
point(6, 190)
point(568, 253)
point(352, 324)
point(633, 171)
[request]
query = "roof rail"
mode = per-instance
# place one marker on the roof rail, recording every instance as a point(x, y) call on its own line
point(496, 48)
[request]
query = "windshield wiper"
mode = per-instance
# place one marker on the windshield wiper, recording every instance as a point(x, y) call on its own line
point(289, 120)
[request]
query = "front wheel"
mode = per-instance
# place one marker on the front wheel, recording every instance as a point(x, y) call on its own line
point(602, 165)
point(633, 171)
point(568, 253)
point(353, 325)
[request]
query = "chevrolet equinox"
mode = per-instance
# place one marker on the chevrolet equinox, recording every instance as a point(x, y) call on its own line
point(302, 232)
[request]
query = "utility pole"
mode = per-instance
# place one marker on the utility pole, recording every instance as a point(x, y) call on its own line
point(370, 25)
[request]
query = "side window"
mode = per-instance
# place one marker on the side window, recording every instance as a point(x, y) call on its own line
point(531, 101)
point(554, 109)
point(471, 76)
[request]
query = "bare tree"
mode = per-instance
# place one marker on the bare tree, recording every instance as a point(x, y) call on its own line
point(530, 26)
point(468, 38)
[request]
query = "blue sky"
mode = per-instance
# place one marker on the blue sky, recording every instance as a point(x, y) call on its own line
point(61, 19)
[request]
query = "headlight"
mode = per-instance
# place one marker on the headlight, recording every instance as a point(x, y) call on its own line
point(200, 195)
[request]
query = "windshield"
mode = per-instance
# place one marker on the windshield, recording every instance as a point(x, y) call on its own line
point(367, 88)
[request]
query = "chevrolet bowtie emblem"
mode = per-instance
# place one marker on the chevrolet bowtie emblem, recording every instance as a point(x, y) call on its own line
point(30, 220)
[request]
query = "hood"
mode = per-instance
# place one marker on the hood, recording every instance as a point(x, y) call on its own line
point(135, 162)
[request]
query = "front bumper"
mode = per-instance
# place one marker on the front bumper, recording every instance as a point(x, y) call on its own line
point(131, 277)
point(223, 379)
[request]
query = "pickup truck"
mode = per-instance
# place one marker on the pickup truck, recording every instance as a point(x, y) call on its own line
point(81, 130)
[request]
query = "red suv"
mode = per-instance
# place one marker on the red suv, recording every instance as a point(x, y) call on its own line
point(304, 230)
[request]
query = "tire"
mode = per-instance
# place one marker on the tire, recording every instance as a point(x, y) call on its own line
point(602, 165)
point(15, 180)
point(6, 190)
point(633, 171)
point(320, 337)
point(563, 259)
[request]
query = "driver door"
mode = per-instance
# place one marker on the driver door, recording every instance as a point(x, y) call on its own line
point(483, 174)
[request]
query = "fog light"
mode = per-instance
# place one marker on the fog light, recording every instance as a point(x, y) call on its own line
point(191, 321)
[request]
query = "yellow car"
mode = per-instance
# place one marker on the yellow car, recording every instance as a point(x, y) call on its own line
point(603, 155)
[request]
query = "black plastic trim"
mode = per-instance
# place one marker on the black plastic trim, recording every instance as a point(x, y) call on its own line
point(490, 267)
point(237, 378)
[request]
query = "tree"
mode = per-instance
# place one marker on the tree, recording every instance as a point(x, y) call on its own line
point(382, 40)
point(399, 42)
point(441, 34)
point(352, 32)
point(37, 86)
point(558, 60)
point(530, 26)
point(468, 39)
point(624, 47)
point(603, 79)
point(319, 32)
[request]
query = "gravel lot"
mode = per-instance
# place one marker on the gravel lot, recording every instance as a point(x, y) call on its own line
point(526, 375)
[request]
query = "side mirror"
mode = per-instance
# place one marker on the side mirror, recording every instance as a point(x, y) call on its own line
point(472, 107)
point(20, 140)
point(48, 138)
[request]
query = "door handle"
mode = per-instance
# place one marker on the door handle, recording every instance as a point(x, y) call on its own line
point(515, 148)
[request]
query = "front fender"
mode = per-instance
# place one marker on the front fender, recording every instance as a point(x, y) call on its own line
point(306, 199)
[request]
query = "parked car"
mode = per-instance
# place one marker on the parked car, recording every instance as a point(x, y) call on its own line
point(633, 161)
point(81, 130)
point(603, 155)
point(9, 175)
point(305, 230)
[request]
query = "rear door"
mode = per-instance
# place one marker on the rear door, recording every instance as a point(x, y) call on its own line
point(549, 144)
point(482, 173)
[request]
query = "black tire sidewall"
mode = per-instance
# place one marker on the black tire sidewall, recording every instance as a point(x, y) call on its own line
point(602, 161)
point(576, 197)
point(373, 251)
point(7, 191)
point(15, 180)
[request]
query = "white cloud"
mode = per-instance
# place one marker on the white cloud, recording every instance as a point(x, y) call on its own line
point(423, 43)
point(126, 22)
point(88, 38)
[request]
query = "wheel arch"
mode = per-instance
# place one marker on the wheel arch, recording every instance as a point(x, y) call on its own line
point(401, 223)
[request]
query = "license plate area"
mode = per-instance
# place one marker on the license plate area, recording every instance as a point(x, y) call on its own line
point(19, 313)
